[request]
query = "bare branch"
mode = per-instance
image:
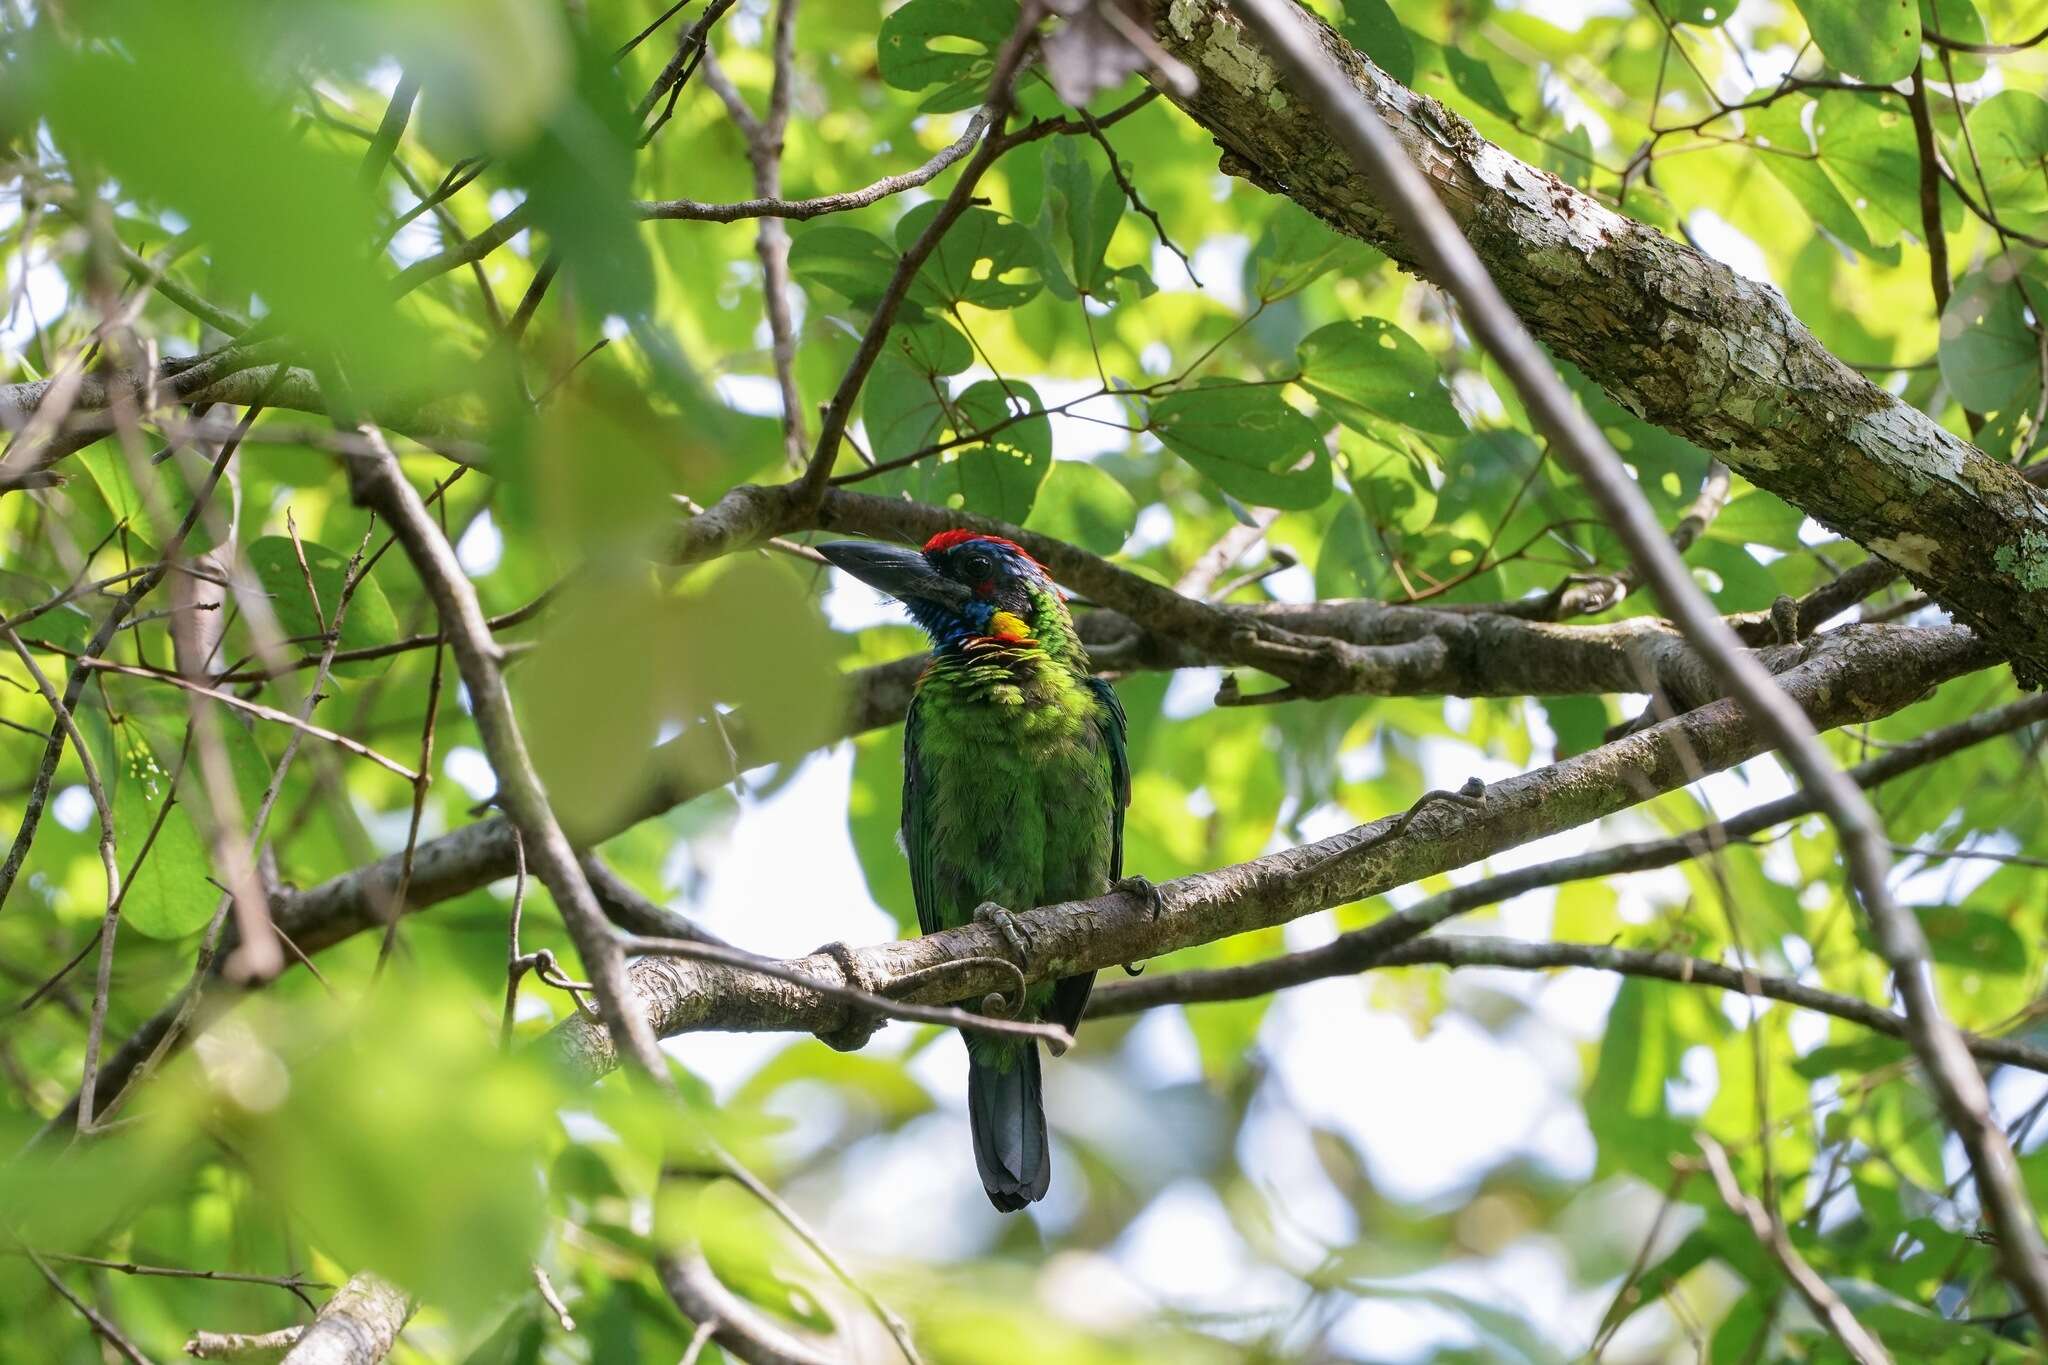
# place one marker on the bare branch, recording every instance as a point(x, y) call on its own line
point(1826, 1304)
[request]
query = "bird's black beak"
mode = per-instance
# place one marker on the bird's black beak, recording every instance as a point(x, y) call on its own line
point(904, 574)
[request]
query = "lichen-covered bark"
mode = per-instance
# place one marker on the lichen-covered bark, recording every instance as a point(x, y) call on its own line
point(1672, 335)
point(358, 1326)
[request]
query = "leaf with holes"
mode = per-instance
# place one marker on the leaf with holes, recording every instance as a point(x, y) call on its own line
point(1248, 441)
point(1000, 477)
point(976, 261)
point(948, 43)
point(1367, 367)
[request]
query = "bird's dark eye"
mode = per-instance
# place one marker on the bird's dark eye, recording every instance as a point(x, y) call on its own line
point(977, 566)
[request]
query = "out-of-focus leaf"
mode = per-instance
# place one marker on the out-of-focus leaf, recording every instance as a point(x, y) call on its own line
point(1988, 354)
point(1248, 440)
point(1295, 249)
point(1083, 506)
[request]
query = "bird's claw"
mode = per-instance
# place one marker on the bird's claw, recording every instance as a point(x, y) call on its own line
point(1135, 885)
point(1006, 924)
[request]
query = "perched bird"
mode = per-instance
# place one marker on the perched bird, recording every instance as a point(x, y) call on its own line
point(1015, 781)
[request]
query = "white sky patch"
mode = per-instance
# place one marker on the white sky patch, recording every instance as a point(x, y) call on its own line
point(1466, 1100)
point(73, 809)
point(44, 297)
point(468, 769)
point(1220, 263)
point(1184, 1249)
point(1091, 428)
point(757, 395)
point(481, 546)
point(1573, 14)
point(1721, 240)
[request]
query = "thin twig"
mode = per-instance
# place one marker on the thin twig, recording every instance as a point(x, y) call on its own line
point(1826, 1304)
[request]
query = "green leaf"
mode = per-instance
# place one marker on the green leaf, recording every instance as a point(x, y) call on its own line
point(1878, 40)
point(973, 259)
point(2010, 133)
point(1758, 518)
point(1000, 477)
point(1081, 213)
point(921, 44)
point(168, 895)
point(1976, 939)
point(368, 621)
point(902, 409)
point(845, 260)
point(1707, 13)
point(1369, 366)
point(1988, 354)
point(1295, 249)
point(1084, 506)
point(1869, 148)
point(1370, 26)
point(1785, 150)
point(1248, 440)
point(1475, 81)
point(1625, 1102)
point(931, 346)
point(1959, 21)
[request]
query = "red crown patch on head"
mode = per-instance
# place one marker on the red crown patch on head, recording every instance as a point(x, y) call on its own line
point(946, 540)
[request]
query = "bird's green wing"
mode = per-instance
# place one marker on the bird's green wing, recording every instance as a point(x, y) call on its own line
point(917, 821)
point(1114, 730)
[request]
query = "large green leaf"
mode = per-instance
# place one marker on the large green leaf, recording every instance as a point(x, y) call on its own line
point(948, 43)
point(1369, 366)
point(1878, 40)
point(169, 895)
point(1248, 440)
point(367, 622)
point(1786, 151)
point(1371, 26)
point(984, 259)
point(1080, 504)
point(1988, 354)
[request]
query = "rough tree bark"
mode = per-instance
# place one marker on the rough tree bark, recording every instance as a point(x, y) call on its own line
point(1854, 675)
point(1670, 334)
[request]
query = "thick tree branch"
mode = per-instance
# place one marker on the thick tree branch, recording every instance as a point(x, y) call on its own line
point(1670, 334)
point(1862, 675)
point(1361, 949)
point(358, 1326)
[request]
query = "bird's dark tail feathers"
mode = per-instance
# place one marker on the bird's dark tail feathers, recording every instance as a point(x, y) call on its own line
point(1007, 1114)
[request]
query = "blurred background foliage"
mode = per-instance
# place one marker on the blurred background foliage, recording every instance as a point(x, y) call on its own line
point(1423, 1165)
